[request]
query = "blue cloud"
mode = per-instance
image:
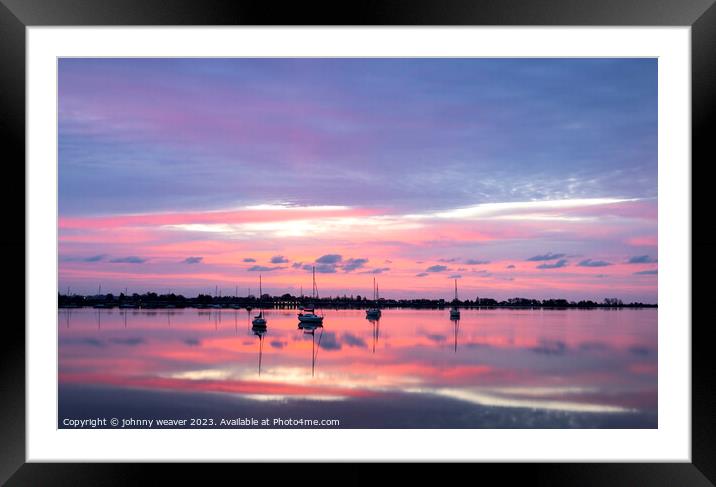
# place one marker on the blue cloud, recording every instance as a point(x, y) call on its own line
point(192, 260)
point(436, 268)
point(249, 259)
point(262, 268)
point(128, 260)
point(279, 259)
point(476, 262)
point(547, 256)
point(95, 258)
point(556, 265)
point(646, 273)
point(353, 264)
point(131, 341)
point(379, 270)
point(422, 274)
point(593, 263)
point(329, 259)
point(641, 259)
point(321, 268)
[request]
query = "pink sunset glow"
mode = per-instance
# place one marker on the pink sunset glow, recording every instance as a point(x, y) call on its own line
point(412, 254)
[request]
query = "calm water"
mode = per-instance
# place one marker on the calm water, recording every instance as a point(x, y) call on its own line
point(411, 369)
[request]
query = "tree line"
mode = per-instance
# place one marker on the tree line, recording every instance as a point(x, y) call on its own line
point(152, 299)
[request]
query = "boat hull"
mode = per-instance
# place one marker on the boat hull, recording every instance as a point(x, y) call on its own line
point(310, 319)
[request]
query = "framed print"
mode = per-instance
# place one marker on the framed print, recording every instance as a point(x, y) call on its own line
point(253, 234)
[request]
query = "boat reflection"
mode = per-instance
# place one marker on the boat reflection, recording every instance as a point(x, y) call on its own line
point(310, 329)
point(456, 330)
point(375, 323)
point(260, 330)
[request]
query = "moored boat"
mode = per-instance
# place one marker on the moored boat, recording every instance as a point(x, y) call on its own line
point(259, 320)
point(374, 311)
point(308, 313)
point(455, 311)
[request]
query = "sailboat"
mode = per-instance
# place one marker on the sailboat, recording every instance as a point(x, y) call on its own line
point(454, 311)
point(259, 320)
point(248, 296)
point(373, 312)
point(308, 314)
point(236, 305)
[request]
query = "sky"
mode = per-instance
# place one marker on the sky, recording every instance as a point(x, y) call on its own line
point(528, 178)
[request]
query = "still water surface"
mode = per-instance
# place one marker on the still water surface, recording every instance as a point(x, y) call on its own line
point(494, 368)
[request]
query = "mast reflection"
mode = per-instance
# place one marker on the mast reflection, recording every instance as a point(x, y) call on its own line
point(456, 330)
point(375, 323)
point(310, 329)
point(260, 330)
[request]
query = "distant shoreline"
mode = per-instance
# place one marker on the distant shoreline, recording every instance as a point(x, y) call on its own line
point(286, 301)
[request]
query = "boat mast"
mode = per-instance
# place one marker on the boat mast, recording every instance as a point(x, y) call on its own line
point(315, 290)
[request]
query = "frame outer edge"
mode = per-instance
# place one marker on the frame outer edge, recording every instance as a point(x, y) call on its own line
point(363, 12)
point(12, 243)
point(703, 104)
point(12, 97)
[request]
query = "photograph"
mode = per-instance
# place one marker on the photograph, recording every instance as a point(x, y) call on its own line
point(357, 242)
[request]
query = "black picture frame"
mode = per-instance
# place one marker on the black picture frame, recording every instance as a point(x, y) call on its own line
point(700, 15)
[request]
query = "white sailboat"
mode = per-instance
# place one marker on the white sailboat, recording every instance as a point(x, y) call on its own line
point(374, 312)
point(259, 320)
point(454, 311)
point(308, 314)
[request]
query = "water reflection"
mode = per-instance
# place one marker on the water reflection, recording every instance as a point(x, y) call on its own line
point(260, 329)
point(570, 361)
point(456, 330)
point(375, 323)
point(310, 329)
